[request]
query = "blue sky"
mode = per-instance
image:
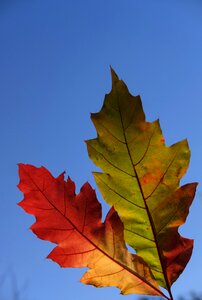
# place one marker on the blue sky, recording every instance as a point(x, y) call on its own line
point(54, 70)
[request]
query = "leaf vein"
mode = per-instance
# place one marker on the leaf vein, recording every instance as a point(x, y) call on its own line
point(120, 194)
point(161, 179)
point(142, 236)
point(111, 162)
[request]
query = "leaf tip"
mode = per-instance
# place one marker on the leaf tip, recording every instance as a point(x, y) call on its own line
point(114, 76)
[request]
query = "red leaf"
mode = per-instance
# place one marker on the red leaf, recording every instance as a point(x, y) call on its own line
point(74, 223)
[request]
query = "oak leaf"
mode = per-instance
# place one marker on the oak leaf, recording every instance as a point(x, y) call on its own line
point(74, 223)
point(140, 179)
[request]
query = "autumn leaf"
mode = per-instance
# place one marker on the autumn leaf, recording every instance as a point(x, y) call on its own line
point(74, 223)
point(141, 181)
point(140, 178)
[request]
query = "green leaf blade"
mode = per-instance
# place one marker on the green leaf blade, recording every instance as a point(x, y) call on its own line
point(141, 175)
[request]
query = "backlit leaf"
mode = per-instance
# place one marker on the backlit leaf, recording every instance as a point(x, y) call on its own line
point(140, 178)
point(74, 223)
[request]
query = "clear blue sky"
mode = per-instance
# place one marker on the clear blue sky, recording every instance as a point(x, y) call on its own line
point(54, 71)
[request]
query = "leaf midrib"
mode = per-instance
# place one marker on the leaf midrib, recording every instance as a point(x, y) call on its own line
point(144, 199)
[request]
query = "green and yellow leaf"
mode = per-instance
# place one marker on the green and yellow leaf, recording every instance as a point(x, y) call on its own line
point(140, 178)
